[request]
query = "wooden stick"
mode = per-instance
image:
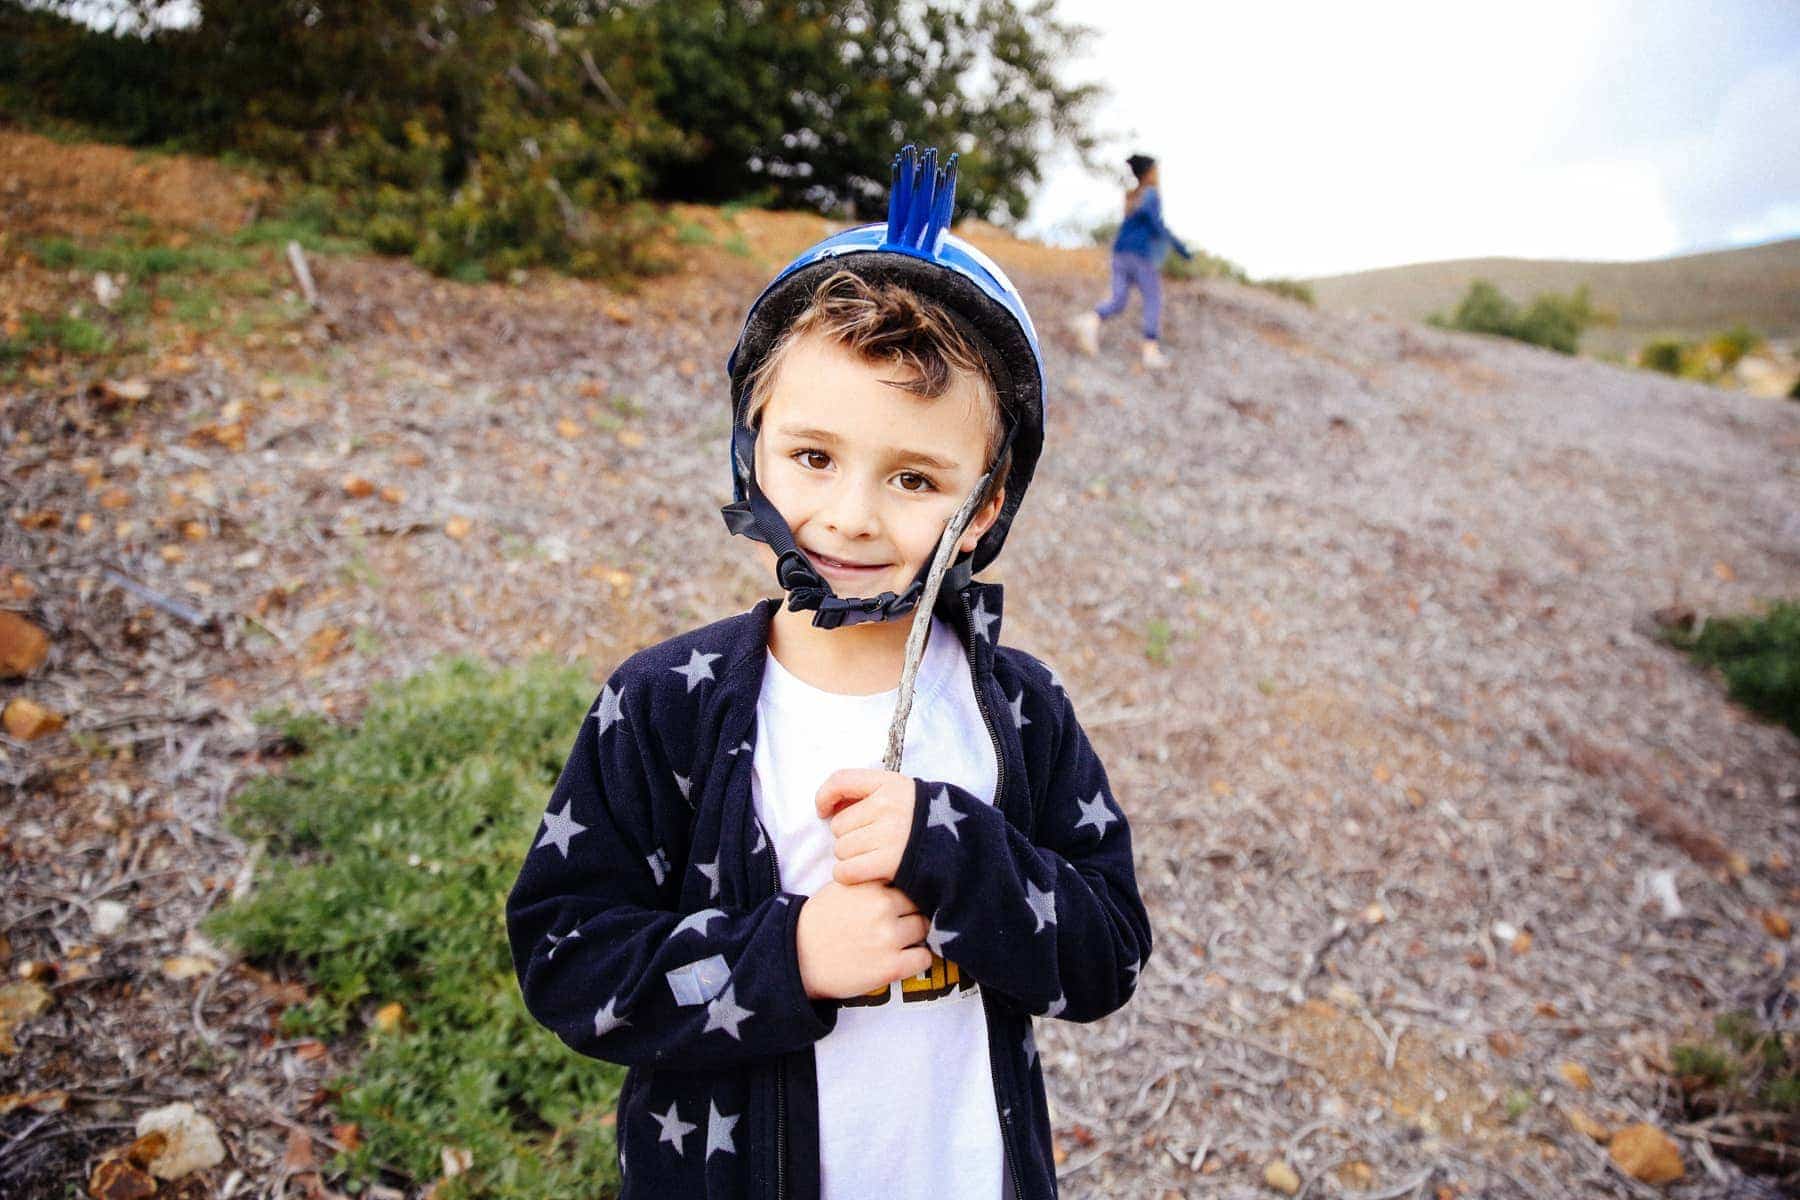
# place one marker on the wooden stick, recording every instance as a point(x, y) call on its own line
point(915, 638)
point(302, 273)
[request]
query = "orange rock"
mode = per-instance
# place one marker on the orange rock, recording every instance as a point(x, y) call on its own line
point(1647, 1154)
point(28, 721)
point(1576, 1075)
point(458, 527)
point(356, 487)
point(1776, 924)
point(117, 1179)
point(1281, 1177)
point(23, 646)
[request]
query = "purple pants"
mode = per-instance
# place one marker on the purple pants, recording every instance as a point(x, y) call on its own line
point(1129, 271)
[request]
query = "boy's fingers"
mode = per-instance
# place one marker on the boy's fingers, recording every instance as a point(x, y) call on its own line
point(846, 786)
point(864, 868)
point(852, 817)
point(915, 961)
point(856, 842)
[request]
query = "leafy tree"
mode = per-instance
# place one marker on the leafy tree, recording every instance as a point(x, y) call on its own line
point(480, 135)
point(801, 103)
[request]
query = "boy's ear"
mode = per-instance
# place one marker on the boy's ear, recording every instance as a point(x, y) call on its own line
point(982, 521)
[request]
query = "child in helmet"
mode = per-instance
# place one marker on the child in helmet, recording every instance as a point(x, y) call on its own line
point(823, 975)
point(1138, 250)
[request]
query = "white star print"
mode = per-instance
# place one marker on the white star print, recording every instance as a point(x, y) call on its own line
point(1043, 905)
point(737, 750)
point(936, 937)
point(685, 784)
point(1095, 812)
point(718, 1130)
point(560, 829)
point(607, 711)
point(698, 669)
point(556, 942)
point(724, 1013)
point(605, 1020)
point(1020, 720)
point(1030, 1048)
point(698, 921)
point(711, 871)
point(943, 813)
point(1137, 964)
point(673, 1127)
point(760, 840)
point(984, 618)
point(1056, 1006)
point(1055, 679)
point(659, 865)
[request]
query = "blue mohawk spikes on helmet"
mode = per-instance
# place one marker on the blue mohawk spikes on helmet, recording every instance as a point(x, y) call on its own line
point(916, 250)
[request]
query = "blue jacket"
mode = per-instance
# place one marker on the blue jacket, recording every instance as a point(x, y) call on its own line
point(648, 925)
point(1144, 233)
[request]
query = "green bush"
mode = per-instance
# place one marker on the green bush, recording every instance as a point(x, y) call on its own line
point(1663, 354)
point(391, 848)
point(1707, 361)
point(1758, 656)
point(1731, 346)
point(1552, 320)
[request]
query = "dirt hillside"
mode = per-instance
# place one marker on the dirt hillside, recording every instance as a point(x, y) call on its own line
point(1692, 296)
point(1442, 847)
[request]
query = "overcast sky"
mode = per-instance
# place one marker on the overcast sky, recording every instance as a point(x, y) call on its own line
point(1302, 138)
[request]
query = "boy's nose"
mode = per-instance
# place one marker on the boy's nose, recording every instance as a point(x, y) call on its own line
point(851, 511)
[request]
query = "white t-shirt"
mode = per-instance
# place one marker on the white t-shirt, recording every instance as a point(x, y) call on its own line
point(906, 1088)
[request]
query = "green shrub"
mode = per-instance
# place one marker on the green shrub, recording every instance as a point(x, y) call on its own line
point(391, 848)
point(1663, 354)
point(1731, 346)
point(74, 335)
point(1758, 656)
point(1553, 321)
point(1710, 1065)
point(1754, 1062)
point(1293, 289)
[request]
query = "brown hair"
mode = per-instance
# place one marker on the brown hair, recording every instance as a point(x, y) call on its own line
point(885, 323)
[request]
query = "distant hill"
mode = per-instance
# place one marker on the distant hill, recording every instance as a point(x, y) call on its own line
point(1689, 296)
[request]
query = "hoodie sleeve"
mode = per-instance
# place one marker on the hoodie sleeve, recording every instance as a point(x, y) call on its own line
point(1152, 209)
point(603, 957)
point(1057, 925)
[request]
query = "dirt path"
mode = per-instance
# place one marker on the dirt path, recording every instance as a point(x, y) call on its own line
point(1357, 613)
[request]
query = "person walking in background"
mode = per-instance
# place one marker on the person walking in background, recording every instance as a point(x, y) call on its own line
point(1138, 250)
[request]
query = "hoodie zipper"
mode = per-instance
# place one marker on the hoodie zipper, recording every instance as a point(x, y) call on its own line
point(780, 1066)
point(1000, 1109)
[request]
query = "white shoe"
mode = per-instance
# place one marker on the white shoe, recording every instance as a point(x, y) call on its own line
point(1086, 328)
point(1154, 359)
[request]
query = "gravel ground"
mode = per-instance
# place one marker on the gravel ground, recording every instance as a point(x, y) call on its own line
point(1358, 613)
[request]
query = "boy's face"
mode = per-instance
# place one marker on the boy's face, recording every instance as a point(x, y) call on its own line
point(867, 474)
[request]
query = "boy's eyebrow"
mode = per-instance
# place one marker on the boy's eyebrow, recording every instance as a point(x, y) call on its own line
point(826, 437)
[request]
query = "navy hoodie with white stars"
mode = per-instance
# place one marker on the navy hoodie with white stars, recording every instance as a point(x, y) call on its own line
point(649, 927)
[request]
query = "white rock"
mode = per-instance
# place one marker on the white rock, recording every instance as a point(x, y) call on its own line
point(107, 916)
point(193, 1143)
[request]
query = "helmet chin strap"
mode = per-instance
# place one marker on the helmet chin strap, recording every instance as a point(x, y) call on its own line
point(756, 518)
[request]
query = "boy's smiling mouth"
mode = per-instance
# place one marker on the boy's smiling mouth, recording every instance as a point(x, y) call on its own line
point(827, 563)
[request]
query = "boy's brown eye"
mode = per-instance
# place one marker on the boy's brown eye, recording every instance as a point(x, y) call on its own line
point(909, 482)
point(818, 460)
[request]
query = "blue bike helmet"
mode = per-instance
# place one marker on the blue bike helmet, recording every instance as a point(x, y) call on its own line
point(916, 250)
